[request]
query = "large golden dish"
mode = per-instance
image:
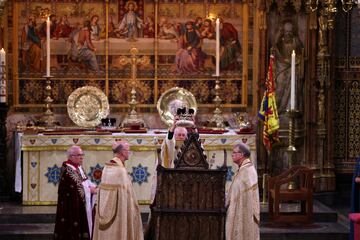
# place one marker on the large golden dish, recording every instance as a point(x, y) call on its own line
point(173, 99)
point(87, 106)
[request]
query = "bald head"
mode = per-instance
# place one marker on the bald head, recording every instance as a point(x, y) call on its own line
point(180, 134)
point(121, 150)
point(118, 146)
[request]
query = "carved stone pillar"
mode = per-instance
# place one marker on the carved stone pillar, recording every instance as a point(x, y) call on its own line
point(324, 174)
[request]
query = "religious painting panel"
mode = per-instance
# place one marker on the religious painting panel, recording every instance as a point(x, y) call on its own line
point(193, 47)
point(92, 42)
point(77, 39)
point(77, 48)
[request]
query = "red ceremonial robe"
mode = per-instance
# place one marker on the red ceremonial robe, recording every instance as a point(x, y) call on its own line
point(71, 220)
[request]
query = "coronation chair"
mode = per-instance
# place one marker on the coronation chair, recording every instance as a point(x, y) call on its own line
point(279, 191)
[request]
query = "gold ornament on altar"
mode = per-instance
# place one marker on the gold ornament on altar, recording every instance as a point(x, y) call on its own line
point(177, 102)
point(133, 119)
point(87, 106)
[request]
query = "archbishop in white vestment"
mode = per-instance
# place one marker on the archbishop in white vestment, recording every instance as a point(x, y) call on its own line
point(168, 153)
point(117, 213)
point(242, 202)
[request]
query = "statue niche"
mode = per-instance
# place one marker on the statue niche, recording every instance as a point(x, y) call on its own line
point(287, 40)
point(190, 199)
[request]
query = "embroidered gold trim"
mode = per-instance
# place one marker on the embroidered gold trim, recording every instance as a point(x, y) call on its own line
point(105, 223)
point(253, 187)
point(107, 186)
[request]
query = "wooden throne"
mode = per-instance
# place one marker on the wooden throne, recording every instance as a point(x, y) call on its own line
point(190, 199)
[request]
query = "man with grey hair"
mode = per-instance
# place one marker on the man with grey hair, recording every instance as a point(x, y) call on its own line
point(74, 208)
point(169, 150)
point(242, 202)
point(117, 212)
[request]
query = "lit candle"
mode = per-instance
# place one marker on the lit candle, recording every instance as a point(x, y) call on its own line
point(2, 56)
point(2, 76)
point(48, 47)
point(292, 93)
point(217, 73)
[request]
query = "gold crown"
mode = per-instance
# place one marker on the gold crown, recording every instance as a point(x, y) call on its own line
point(185, 117)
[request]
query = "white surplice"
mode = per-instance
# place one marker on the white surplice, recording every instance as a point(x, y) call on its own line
point(243, 213)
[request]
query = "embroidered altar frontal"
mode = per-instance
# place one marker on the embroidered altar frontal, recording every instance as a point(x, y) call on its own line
point(43, 156)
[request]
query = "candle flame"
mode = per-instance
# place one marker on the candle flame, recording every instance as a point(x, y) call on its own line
point(48, 19)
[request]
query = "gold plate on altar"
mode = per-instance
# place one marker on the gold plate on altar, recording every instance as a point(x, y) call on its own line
point(173, 99)
point(87, 106)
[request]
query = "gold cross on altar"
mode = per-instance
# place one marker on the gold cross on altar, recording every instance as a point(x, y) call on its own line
point(134, 60)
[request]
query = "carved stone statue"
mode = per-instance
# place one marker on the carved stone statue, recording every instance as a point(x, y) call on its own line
point(321, 108)
point(286, 41)
point(323, 48)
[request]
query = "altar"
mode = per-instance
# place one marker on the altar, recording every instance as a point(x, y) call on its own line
point(42, 156)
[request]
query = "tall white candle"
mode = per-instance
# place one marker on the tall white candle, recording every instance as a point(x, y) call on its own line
point(48, 47)
point(217, 73)
point(292, 93)
point(3, 76)
point(2, 56)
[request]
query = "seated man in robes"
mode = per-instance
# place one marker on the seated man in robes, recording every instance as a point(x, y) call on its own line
point(117, 212)
point(242, 201)
point(74, 208)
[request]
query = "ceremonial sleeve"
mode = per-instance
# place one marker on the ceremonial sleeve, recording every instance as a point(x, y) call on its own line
point(167, 151)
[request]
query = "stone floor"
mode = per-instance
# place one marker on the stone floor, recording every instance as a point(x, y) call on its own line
point(37, 222)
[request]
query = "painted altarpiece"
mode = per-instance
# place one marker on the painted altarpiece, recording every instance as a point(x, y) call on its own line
point(177, 36)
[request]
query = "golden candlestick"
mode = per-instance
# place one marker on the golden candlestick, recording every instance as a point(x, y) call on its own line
point(264, 188)
point(48, 117)
point(291, 148)
point(217, 114)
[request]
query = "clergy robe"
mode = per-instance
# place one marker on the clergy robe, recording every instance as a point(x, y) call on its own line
point(243, 213)
point(355, 197)
point(169, 150)
point(117, 212)
point(72, 215)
